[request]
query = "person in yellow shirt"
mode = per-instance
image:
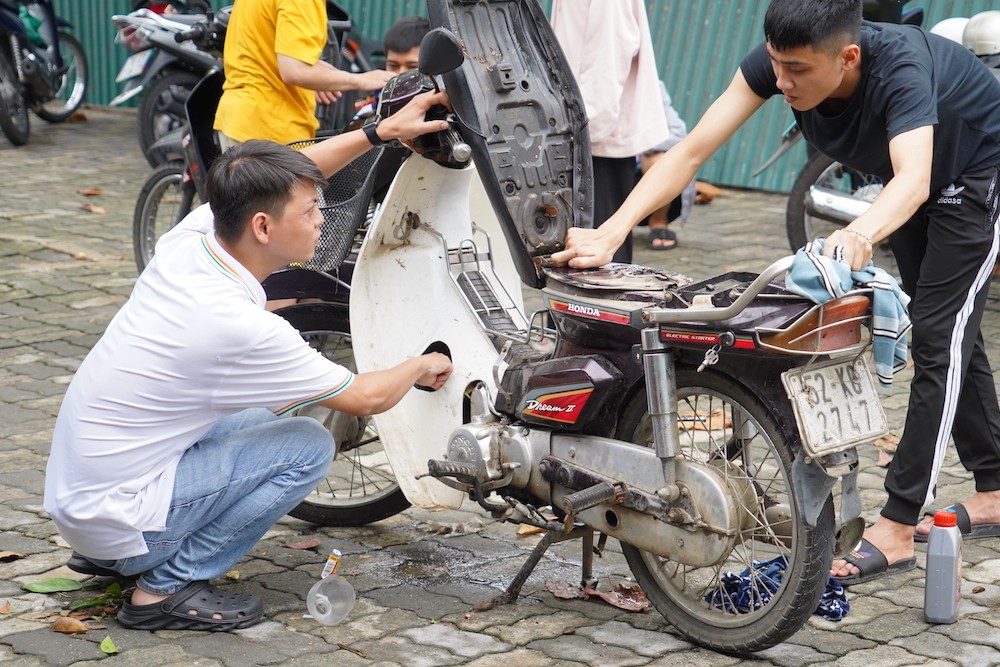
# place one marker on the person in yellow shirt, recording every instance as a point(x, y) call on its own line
point(274, 74)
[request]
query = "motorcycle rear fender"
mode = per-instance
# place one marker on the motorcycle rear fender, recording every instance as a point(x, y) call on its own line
point(521, 111)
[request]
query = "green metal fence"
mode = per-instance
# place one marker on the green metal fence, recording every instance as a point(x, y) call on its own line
point(698, 44)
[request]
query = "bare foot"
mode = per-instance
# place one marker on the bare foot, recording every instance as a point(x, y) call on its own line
point(141, 597)
point(984, 507)
point(895, 540)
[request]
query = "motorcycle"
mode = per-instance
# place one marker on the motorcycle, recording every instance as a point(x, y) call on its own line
point(826, 191)
point(164, 69)
point(703, 424)
point(30, 78)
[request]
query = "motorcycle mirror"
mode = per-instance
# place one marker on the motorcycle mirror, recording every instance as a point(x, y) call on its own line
point(440, 52)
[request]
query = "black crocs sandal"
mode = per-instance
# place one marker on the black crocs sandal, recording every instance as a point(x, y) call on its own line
point(83, 565)
point(197, 606)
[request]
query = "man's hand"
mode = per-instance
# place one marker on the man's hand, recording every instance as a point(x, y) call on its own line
point(587, 248)
point(438, 369)
point(372, 80)
point(409, 123)
point(856, 249)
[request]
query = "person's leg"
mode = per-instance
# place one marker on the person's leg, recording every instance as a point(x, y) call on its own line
point(661, 237)
point(231, 487)
point(946, 260)
point(613, 179)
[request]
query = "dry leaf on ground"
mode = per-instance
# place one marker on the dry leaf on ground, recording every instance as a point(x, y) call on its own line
point(629, 598)
point(69, 626)
point(303, 545)
point(10, 556)
point(90, 192)
point(99, 210)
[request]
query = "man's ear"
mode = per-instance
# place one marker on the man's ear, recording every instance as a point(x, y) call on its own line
point(851, 56)
point(259, 227)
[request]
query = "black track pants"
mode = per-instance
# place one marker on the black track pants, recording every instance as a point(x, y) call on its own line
point(946, 254)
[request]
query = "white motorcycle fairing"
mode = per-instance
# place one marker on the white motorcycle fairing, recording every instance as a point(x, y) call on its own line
point(403, 298)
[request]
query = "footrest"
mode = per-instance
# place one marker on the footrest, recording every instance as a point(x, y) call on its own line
point(592, 496)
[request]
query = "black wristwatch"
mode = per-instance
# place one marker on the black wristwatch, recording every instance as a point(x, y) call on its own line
point(372, 135)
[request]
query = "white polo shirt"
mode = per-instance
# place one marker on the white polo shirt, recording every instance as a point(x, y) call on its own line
point(191, 345)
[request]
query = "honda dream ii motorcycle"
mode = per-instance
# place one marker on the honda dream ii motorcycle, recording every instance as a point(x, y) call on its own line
point(702, 424)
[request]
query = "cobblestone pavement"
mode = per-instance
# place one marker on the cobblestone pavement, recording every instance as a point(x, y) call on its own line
point(63, 273)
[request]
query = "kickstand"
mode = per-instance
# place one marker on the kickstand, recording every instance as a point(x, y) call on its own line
point(551, 537)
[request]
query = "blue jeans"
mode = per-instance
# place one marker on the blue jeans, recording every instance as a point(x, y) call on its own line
point(247, 472)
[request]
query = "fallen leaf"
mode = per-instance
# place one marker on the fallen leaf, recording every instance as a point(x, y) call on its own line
point(69, 626)
point(233, 574)
point(528, 529)
point(57, 585)
point(90, 192)
point(10, 556)
point(99, 210)
point(5, 607)
point(888, 442)
point(77, 117)
point(304, 544)
point(629, 598)
point(978, 589)
point(80, 256)
point(108, 646)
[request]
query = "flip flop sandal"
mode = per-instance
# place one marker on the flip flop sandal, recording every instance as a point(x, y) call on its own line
point(661, 234)
point(197, 606)
point(969, 532)
point(873, 564)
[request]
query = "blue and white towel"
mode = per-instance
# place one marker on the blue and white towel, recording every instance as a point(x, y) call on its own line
point(821, 279)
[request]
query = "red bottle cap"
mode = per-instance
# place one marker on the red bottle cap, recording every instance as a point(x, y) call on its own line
point(945, 519)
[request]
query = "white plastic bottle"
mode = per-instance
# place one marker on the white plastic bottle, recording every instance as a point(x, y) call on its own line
point(942, 590)
point(331, 598)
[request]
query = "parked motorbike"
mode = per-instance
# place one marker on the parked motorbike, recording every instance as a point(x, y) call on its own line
point(30, 76)
point(164, 69)
point(702, 424)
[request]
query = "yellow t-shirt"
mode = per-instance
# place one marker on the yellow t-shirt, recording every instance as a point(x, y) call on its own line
point(256, 103)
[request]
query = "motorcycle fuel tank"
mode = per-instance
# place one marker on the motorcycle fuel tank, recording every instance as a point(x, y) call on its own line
point(522, 113)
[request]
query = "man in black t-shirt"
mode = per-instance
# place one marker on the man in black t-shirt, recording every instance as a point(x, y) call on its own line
point(922, 113)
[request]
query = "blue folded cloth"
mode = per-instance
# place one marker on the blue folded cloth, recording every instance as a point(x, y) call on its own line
point(749, 591)
point(821, 279)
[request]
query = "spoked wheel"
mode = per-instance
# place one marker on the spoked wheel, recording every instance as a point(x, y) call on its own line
point(14, 121)
point(161, 108)
point(163, 201)
point(71, 86)
point(360, 487)
point(737, 605)
point(824, 172)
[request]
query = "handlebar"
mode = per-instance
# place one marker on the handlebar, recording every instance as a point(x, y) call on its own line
point(713, 313)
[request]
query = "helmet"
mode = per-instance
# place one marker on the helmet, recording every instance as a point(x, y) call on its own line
point(982, 34)
point(953, 29)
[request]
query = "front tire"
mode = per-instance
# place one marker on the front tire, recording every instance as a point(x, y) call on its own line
point(14, 121)
point(163, 201)
point(360, 487)
point(72, 84)
point(722, 424)
point(161, 108)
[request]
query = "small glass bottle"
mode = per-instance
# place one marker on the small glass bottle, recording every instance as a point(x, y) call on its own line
point(942, 588)
point(331, 598)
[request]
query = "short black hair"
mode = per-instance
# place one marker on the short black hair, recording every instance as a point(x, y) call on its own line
point(820, 24)
point(255, 176)
point(406, 33)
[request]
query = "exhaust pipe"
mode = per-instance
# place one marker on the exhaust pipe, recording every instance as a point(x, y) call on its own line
point(834, 206)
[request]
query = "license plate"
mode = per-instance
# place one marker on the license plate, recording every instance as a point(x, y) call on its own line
point(836, 405)
point(134, 65)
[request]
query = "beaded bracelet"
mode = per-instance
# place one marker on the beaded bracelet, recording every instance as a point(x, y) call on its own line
point(867, 238)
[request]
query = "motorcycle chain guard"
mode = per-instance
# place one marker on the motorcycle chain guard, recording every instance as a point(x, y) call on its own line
point(521, 111)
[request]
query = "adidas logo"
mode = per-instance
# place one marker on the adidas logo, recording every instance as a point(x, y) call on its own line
point(949, 195)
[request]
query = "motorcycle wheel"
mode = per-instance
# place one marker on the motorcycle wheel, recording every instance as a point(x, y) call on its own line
point(724, 425)
point(823, 171)
point(14, 121)
point(360, 487)
point(163, 201)
point(161, 108)
point(72, 85)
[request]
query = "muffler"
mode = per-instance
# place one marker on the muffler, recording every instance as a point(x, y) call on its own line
point(834, 206)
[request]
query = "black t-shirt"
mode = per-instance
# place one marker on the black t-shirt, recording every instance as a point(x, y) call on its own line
point(909, 79)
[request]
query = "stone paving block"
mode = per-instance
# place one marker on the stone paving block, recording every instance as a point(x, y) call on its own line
point(577, 648)
point(643, 642)
point(880, 656)
point(55, 648)
point(935, 646)
point(465, 644)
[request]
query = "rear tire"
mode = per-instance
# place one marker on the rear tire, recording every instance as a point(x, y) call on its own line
point(360, 487)
point(722, 424)
point(164, 200)
point(14, 121)
point(72, 87)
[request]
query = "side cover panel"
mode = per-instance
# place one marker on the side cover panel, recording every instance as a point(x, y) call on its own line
point(523, 114)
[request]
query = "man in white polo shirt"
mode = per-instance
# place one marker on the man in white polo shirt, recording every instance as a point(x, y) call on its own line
point(171, 456)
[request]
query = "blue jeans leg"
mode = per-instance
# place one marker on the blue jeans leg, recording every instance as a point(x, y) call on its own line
point(231, 487)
